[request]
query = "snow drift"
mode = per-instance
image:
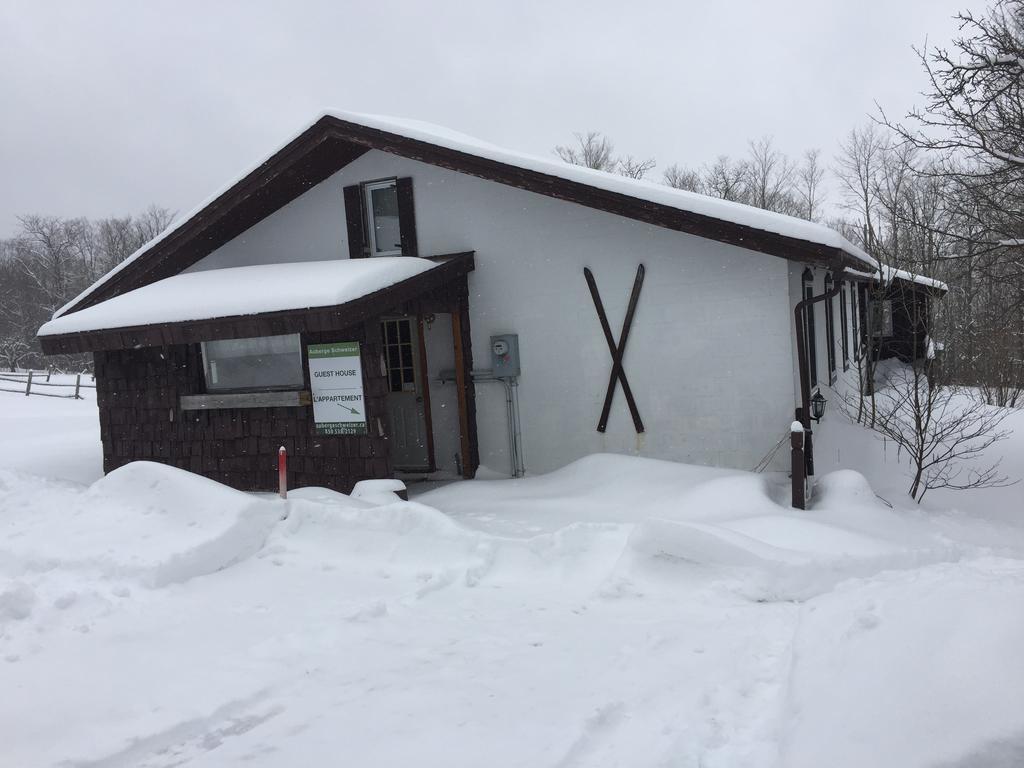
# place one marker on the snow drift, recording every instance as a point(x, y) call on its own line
point(146, 521)
point(621, 611)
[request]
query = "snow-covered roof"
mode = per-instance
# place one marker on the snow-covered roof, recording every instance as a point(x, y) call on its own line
point(654, 192)
point(236, 291)
point(645, 191)
point(887, 274)
point(737, 214)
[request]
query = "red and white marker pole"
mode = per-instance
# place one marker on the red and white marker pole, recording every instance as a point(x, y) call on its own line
point(282, 472)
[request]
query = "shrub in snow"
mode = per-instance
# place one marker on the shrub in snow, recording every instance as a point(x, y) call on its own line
point(943, 432)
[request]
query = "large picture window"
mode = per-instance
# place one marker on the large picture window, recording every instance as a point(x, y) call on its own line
point(253, 365)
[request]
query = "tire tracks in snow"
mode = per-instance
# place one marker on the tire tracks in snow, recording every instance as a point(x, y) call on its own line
point(181, 743)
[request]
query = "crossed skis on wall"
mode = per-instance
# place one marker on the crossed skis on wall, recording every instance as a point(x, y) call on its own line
point(618, 351)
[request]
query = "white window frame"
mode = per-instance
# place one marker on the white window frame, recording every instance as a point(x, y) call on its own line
point(371, 230)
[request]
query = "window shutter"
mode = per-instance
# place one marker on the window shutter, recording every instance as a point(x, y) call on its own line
point(406, 217)
point(355, 220)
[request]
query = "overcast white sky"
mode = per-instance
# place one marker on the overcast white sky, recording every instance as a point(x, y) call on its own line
point(107, 107)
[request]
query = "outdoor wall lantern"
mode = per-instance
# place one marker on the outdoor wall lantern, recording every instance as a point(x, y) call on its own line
point(817, 406)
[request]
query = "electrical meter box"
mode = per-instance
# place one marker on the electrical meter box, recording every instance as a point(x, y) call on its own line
point(505, 355)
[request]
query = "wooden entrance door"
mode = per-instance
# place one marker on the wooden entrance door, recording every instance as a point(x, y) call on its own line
point(407, 415)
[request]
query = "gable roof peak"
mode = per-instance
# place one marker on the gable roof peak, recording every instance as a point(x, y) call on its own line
point(335, 138)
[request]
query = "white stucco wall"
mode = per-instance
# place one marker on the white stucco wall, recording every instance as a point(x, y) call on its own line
point(709, 359)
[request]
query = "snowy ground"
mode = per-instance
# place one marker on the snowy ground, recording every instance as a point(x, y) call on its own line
point(619, 612)
point(51, 436)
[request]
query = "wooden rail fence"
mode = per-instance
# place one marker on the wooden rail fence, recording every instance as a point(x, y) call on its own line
point(31, 382)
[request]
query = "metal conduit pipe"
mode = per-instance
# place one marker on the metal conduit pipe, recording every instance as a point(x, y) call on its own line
point(511, 386)
point(515, 431)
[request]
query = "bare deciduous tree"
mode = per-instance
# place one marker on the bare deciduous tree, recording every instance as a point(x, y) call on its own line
point(971, 129)
point(679, 177)
point(810, 192)
point(592, 150)
point(857, 168)
point(726, 178)
point(51, 260)
point(972, 121)
point(766, 178)
point(633, 168)
point(13, 351)
point(769, 178)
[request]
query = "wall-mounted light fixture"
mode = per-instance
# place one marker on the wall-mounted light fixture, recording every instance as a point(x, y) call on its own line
point(817, 406)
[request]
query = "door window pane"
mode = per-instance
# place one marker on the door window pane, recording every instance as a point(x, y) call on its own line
point(399, 354)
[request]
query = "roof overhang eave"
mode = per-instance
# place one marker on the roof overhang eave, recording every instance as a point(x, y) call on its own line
point(451, 269)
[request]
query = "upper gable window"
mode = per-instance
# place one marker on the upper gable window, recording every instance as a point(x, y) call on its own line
point(380, 218)
point(383, 221)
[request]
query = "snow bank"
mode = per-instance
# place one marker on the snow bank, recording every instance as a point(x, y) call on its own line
point(145, 521)
point(400, 518)
point(601, 488)
point(621, 611)
point(726, 524)
point(906, 671)
point(844, 486)
point(378, 491)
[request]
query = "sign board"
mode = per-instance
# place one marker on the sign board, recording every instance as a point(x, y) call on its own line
point(336, 383)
